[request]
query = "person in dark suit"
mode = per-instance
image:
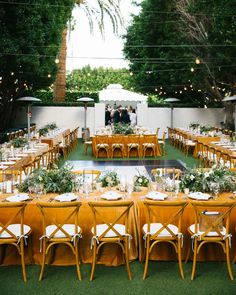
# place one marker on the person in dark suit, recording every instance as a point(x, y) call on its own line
point(116, 115)
point(107, 116)
point(124, 118)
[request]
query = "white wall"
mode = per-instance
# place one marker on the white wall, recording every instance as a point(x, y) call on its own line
point(72, 117)
point(182, 117)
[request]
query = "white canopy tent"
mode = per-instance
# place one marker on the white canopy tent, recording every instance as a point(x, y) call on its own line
point(114, 93)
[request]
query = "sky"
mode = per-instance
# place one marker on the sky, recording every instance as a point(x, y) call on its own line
point(85, 48)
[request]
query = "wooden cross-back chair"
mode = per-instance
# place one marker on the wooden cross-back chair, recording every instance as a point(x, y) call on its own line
point(211, 227)
point(150, 143)
point(102, 144)
point(112, 229)
point(65, 231)
point(13, 231)
point(159, 229)
point(174, 173)
point(117, 144)
point(162, 143)
point(133, 145)
point(87, 140)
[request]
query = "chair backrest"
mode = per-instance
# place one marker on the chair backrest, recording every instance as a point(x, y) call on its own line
point(110, 213)
point(172, 172)
point(86, 134)
point(11, 213)
point(133, 138)
point(101, 139)
point(59, 214)
point(149, 138)
point(213, 215)
point(166, 213)
point(93, 174)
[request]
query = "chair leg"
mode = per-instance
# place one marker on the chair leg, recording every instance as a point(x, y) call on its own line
point(147, 258)
point(2, 252)
point(22, 253)
point(43, 261)
point(127, 258)
point(194, 259)
point(77, 260)
point(188, 255)
point(94, 260)
point(228, 260)
point(180, 259)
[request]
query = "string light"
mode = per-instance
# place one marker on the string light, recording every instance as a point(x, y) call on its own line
point(197, 61)
point(192, 70)
point(57, 61)
point(49, 75)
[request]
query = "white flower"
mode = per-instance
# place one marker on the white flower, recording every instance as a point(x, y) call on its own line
point(206, 174)
point(192, 177)
point(140, 180)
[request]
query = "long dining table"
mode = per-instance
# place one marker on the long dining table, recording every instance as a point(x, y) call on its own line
point(111, 255)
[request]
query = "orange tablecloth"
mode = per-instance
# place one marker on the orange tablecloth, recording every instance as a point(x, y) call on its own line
point(111, 255)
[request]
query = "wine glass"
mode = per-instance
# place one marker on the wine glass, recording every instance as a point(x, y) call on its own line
point(215, 189)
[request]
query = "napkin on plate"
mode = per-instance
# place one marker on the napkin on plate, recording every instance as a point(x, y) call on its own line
point(199, 196)
point(67, 197)
point(18, 198)
point(156, 196)
point(111, 195)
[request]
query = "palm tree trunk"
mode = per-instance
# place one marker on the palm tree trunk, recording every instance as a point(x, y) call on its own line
point(59, 90)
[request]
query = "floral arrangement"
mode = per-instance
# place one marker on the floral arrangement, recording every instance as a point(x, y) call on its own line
point(217, 178)
point(57, 180)
point(110, 179)
point(19, 142)
point(205, 129)
point(44, 130)
point(141, 180)
point(194, 125)
point(121, 128)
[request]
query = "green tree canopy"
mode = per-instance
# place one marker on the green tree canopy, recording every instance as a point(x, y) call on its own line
point(29, 43)
point(90, 79)
point(167, 38)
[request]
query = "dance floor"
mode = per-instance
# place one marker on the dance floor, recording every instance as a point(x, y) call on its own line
point(127, 167)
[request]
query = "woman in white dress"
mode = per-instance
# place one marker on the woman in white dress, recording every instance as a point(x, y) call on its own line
point(133, 118)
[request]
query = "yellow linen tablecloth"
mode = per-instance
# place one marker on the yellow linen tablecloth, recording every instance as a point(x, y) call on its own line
point(111, 255)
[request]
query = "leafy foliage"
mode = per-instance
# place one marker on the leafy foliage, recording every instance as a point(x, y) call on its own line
point(29, 43)
point(166, 38)
point(204, 181)
point(120, 128)
point(57, 180)
point(110, 179)
point(94, 80)
point(19, 142)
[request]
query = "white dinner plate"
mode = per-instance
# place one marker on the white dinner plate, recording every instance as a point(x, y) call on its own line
point(18, 198)
point(158, 196)
point(199, 196)
point(67, 197)
point(111, 196)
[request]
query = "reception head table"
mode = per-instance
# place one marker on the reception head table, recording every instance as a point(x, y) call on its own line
point(111, 255)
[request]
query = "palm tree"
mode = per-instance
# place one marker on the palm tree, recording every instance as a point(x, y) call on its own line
point(95, 10)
